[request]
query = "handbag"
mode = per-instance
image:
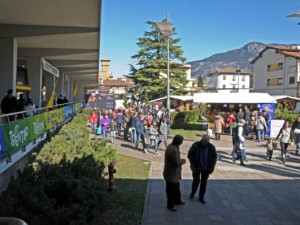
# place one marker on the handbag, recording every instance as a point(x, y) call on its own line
point(99, 130)
point(297, 131)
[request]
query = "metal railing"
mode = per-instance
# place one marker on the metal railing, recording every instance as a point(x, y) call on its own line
point(9, 117)
point(11, 221)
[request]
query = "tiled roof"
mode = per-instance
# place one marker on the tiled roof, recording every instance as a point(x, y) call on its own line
point(291, 51)
point(228, 70)
point(117, 83)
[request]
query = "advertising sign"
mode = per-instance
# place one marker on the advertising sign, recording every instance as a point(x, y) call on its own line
point(102, 101)
point(76, 107)
point(60, 115)
point(36, 126)
point(276, 125)
point(16, 134)
point(269, 107)
point(51, 119)
point(2, 144)
point(68, 111)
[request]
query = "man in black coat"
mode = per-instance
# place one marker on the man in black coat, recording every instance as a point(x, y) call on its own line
point(203, 158)
point(9, 104)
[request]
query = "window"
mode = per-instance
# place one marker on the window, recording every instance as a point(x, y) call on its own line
point(243, 86)
point(279, 81)
point(243, 78)
point(292, 80)
point(233, 78)
point(224, 77)
point(280, 66)
point(269, 68)
point(224, 86)
point(268, 82)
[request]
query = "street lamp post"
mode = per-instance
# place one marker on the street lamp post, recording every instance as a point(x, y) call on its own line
point(166, 29)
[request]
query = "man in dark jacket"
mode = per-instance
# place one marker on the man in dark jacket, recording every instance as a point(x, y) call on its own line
point(9, 104)
point(141, 134)
point(172, 173)
point(203, 158)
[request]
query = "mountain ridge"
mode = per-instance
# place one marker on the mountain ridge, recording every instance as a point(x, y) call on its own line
point(236, 58)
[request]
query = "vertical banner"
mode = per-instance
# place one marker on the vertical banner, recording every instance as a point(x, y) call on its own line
point(16, 135)
point(2, 144)
point(36, 126)
point(50, 119)
point(269, 107)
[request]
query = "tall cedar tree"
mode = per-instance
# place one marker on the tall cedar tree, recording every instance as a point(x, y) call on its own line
point(151, 71)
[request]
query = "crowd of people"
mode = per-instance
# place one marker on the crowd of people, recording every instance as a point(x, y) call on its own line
point(26, 107)
point(148, 125)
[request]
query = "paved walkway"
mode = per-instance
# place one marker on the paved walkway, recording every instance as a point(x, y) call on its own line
point(262, 192)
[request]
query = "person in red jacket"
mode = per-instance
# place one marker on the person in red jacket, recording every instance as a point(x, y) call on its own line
point(93, 118)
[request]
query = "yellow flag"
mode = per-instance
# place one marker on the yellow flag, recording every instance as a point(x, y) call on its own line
point(75, 92)
point(51, 99)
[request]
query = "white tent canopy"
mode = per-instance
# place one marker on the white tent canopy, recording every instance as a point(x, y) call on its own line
point(182, 98)
point(252, 98)
point(279, 97)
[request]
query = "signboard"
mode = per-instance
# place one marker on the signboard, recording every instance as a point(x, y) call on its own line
point(60, 115)
point(102, 101)
point(16, 134)
point(68, 111)
point(269, 107)
point(36, 126)
point(76, 107)
point(2, 144)
point(276, 125)
point(51, 119)
point(49, 68)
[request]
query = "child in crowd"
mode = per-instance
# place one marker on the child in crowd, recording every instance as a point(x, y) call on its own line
point(112, 129)
point(153, 136)
point(270, 148)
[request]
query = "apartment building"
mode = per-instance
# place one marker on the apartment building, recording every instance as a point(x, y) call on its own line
point(228, 80)
point(276, 70)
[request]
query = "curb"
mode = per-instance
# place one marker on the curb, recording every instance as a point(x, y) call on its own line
point(147, 198)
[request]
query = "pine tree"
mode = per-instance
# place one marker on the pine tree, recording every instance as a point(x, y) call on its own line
point(151, 70)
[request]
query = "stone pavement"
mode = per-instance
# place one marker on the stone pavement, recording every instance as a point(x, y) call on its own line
point(262, 192)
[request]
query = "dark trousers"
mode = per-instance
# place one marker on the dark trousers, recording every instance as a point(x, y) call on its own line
point(173, 194)
point(283, 147)
point(126, 132)
point(196, 180)
point(217, 136)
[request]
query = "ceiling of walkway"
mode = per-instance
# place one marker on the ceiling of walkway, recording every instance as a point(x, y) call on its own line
point(64, 32)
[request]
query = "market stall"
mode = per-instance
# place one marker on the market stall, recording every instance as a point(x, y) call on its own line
point(177, 103)
point(228, 102)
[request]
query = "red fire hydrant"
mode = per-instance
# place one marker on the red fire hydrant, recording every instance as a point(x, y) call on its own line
point(111, 171)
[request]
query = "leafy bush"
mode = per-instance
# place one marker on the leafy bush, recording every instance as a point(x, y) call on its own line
point(180, 120)
point(193, 115)
point(64, 184)
point(288, 115)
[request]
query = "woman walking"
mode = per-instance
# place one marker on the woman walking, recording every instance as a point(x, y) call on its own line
point(163, 132)
point(218, 123)
point(296, 132)
point(285, 139)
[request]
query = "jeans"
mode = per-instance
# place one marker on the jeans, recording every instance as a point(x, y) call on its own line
point(230, 130)
point(104, 134)
point(119, 128)
point(260, 135)
point(93, 128)
point(142, 137)
point(196, 180)
point(133, 135)
point(113, 136)
point(153, 143)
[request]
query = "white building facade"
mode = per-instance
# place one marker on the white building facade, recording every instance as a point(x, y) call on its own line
point(228, 80)
point(276, 71)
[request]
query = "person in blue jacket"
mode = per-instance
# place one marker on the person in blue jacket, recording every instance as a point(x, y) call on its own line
point(141, 134)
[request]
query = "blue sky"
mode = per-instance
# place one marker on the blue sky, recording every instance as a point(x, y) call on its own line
point(205, 27)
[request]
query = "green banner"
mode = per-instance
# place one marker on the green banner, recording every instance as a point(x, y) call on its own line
point(76, 107)
point(36, 126)
point(16, 135)
point(60, 115)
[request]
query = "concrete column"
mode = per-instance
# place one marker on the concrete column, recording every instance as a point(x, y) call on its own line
point(35, 72)
point(8, 65)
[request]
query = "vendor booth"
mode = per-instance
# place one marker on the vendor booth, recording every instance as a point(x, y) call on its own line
point(286, 102)
point(228, 102)
point(177, 103)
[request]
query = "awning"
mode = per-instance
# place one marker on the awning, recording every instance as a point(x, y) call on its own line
point(279, 97)
point(182, 98)
point(22, 87)
point(252, 98)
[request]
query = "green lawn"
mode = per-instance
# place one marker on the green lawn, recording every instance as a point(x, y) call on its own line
point(126, 202)
point(192, 131)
